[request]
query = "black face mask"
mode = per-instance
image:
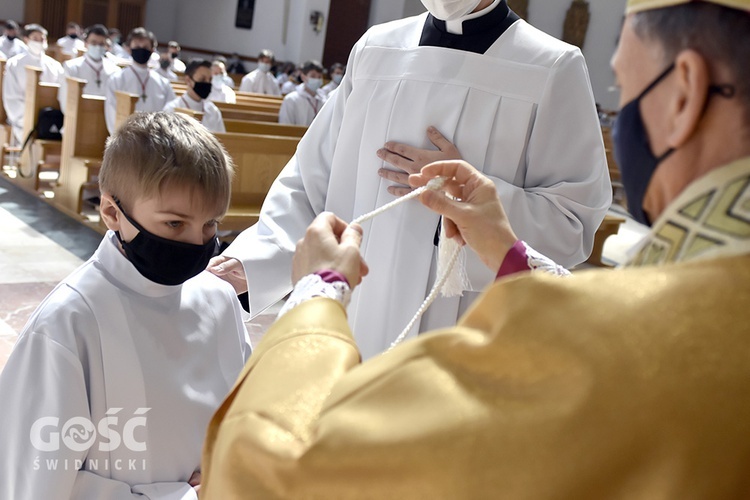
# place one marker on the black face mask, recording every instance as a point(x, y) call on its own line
point(73, 36)
point(203, 89)
point(11, 37)
point(141, 56)
point(175, 55)
point(164, 63)
point(164, 261)
point(633, 152)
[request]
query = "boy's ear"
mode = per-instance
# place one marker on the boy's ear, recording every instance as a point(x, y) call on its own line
point(109, 212)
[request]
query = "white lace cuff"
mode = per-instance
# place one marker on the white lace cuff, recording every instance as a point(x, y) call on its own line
point(312, 286)
point(540, 262)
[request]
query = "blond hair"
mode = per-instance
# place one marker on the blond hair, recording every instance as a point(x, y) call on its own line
point(152, 150)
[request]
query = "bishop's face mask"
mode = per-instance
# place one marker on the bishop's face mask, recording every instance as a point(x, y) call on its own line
point(164, 261)
point(450, 10)
point(633, 152)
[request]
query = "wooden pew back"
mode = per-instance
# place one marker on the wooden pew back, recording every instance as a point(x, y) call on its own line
point(264, 128)
point(258, 161)
point(125, 106)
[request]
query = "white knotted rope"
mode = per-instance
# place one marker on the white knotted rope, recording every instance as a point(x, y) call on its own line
point(451, 279)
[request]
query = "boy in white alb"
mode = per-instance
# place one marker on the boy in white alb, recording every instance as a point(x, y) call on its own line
point(260, 80)
point(92, 66)
point(154, 91)
point(302, 106)
point(14, 80)
point(71, 43)
point(198, 80)
point(110, 387)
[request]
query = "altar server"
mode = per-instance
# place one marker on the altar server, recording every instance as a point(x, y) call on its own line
point(198, 80)
point(109, 389)
point(154, 91)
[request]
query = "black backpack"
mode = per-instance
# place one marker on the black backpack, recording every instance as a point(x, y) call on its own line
point(49, 123)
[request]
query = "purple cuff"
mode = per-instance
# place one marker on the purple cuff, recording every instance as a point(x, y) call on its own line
point(515, 261)
point(331, 276)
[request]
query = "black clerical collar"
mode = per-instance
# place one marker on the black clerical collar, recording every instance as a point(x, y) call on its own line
point(478, 34)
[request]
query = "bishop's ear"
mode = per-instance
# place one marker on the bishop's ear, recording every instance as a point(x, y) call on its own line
point(689, 100)
point(109, 212)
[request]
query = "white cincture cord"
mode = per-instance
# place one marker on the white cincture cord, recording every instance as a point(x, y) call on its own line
point(434, 184)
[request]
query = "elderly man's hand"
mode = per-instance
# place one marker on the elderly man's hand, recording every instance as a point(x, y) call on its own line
point(330, 244)
point(410, 160)
point(474, 215)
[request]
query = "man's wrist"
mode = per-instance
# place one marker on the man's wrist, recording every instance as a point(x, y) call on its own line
point(332, 276)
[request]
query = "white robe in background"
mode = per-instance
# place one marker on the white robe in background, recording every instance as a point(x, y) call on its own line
point(212, 119)
point(14, 86)
point(167, 74)
point(299, 107)
point(259, 82)
point(70, 46)
point(12, 47)
point(328, 88)
point(177, 65)
point(158, 91)
point(523, 113)
point(223, 93)
point(108, 338)
point(86, 68)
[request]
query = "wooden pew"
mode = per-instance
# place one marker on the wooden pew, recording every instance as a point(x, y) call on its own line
point(258, 160)
point(46, 153)
point(82, 147)
point(234, 112)
point(125, 106)
point(264, 128)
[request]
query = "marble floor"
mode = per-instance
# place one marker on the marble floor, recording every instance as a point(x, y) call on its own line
point(39, 246)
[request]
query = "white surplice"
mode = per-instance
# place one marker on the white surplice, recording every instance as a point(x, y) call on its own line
point(259, 82)
point(12, 47)
point(14, 85)
point(139, 81)
point(71, 46)
point(105, 339)
point(96, 74)
point(300, 107)
point(223, 93)
point(212, 119)
point(523, 112)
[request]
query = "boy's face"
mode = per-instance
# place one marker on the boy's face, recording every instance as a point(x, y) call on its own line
point(178, 213)
point(36, 36)
point(201, 74)
point(96, 40)
point(141, 43)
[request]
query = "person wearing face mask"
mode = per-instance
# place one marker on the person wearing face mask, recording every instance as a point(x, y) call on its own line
point(93, 66)
point(165, 68)
point(629, 383)
point(71, 43)
point(174, 54)
point(221, 84)
point(10, 44)
point(136, 348)
point(261, 80)
point(337, 74)
point(153, 90)
point(302, 106)
point(199, 86)
point(467, 79)
point(14, 81)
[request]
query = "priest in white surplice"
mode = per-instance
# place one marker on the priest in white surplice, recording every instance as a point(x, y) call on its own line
point(514, 100)
point(14, 81)
point(92, 66)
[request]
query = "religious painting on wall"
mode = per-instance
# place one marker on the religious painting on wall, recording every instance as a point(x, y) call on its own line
point(245, 9)
point(576, 23)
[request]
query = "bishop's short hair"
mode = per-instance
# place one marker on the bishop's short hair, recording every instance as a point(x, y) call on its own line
point(718, 33)
point(151, 151)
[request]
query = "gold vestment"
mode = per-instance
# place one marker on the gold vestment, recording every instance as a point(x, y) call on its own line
point(630, 383)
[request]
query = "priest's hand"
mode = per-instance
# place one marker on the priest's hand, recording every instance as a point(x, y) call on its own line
point(230, 270)
point(330, 244)
point(410, 160)
point(473, 213)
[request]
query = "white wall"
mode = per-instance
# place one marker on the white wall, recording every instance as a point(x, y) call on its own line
point(549, 16)
point(210, 25)
point(12, 9)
